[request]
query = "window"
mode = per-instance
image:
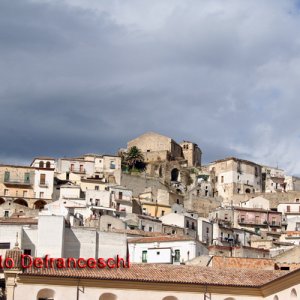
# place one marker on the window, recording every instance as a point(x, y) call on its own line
point(48, 165)
point(26, 177)
point(6, 214)
point(162, 213)
point(96, 187)
point(187, 224)
point(4, 245)
point(177, 256)
point(41, 194)
point(6, 192)
point(41, 164)
point(6, 176)
point(112, 164)
point(222, 179)
point(150, 229)
point(27, 251)
point(42, 179)
point(81, 169)
point(108, 227)
point(143, 227)
point(72, 167)
point(120, 195)
point(144, 256)
point(288, 208)
point(24, 193)
point(157, 253)
point(193, 225)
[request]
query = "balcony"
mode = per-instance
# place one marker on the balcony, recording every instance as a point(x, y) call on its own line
point(77, 170)
point(224, 222)
point(275, 224)
point(18, 182)
point(252, 223)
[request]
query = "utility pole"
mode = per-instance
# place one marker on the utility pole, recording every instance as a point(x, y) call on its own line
point(207, 295)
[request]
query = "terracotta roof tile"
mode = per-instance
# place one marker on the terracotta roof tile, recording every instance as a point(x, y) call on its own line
point(243, 263)
point(183, 274)
point(22, 220)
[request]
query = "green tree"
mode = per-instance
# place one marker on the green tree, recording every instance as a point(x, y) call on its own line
point(134, 159)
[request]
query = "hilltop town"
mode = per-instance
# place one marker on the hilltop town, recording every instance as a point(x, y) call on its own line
point(155, 202)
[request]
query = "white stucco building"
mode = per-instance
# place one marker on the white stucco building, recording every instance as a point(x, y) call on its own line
point(164, 249)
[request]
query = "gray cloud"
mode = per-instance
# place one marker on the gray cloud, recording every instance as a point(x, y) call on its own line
point(86, 76)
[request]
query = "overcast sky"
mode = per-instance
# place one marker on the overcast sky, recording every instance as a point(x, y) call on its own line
point(81, 76)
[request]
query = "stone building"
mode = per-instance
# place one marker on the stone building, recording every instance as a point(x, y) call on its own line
point(168, 160)
point(156, 147)
point(273, 180)
point(23, 185)
point(90, 168)
point(232, 176)
point(192, 153)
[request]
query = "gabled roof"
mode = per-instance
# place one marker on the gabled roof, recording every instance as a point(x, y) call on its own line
point(180, 274)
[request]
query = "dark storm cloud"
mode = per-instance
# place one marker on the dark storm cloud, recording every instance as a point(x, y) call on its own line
point(87, 76)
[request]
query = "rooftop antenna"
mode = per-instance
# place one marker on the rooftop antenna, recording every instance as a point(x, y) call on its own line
point(17, 243)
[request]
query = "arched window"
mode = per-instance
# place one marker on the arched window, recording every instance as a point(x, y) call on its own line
point(174, 175)
point(45, 294)
point(108, 296)
point(276, 298)
point(293, 294)
point(48, 165)
point(41, 164)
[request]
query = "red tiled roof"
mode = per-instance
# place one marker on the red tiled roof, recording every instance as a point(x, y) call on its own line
point(242, 263)
point(20, 220)
point(183, 274)
point(165, 238)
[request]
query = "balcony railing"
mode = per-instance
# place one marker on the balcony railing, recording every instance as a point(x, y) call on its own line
point(77, 170)
point(18, 181)
point(275, 224)
point(248, 222)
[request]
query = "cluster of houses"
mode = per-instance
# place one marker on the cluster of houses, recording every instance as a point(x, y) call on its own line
point(231, 213)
